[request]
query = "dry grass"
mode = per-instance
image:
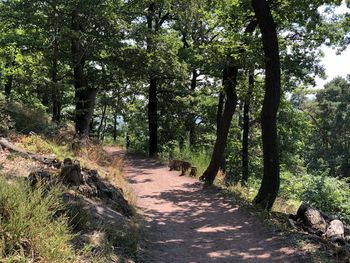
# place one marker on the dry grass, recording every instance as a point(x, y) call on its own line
point(92, 157)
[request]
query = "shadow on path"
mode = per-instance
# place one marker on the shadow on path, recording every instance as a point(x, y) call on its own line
point(190, 223)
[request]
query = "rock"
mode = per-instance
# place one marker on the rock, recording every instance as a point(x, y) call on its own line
point(175, 165)
point(40, 176)
point(193, 171)
point(95, 187)
point(335, 230)
point(312, 218)
point(71, 173)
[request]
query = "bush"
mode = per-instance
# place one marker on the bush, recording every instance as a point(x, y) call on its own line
point(30, 229)
point(329, 194)
point(28, 120)
point(200, 159)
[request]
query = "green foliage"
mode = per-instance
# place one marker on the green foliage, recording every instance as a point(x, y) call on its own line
point(328, 146)
point(30, 228)
point(28, 120)
point(200, 159)
point(331, 195)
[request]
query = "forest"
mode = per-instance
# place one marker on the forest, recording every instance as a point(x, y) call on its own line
point(227, 85)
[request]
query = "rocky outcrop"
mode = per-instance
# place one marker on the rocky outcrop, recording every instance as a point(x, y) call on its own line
point(84, 182)
point(71, 173)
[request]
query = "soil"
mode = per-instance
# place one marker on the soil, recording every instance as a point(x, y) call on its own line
point(190, 223)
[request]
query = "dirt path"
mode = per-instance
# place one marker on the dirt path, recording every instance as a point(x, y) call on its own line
point(190, 224)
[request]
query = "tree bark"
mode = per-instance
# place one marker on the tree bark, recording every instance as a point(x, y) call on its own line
point(152, 117)
point(56, 96)
point(245, 137)
point(220, 109)
point(85, 95)
point(102, 121)
point(152, 92)
point(271, 178)
point(192, 125)
point(230, 82)
point(115, 127)
point(55, 92)
point(8, 86)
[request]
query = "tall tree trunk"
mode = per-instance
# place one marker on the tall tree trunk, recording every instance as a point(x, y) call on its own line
point(221, 104)
point(152, 93)
point(230, 82)
point(115, 126)
point(192, 124)
point(85, 96)
point(152, 117)
point(271, 178)
point(8, 86)
point(245, 137)
point(104, 130)
point(56, 96)
point(104, 109)
point(219, 111)
point(55, 92)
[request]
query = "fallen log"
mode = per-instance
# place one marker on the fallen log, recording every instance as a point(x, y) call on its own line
point(28, 155)
point(13, 148)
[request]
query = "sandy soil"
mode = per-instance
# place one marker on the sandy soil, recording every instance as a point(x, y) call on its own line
point(189, 223)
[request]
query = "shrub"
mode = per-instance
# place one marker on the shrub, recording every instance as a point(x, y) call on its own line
point(330, 194)
point(30, 229)
point(28, 120)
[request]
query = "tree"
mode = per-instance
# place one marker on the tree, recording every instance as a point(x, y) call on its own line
point(246, 125)
point(271, 178)
point(331, 116)
point(229, 82)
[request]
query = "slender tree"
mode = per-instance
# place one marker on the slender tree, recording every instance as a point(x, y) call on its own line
point(271, 178)
point(229, 82)
point(245, 136)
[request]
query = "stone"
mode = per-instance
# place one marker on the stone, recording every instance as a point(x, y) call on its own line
point(312, 218)
point(40, 176)
point(193, 171)
point(335, 230)
point(71, 173)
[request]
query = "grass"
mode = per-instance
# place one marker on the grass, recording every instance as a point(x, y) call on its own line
point(200, 159)
point(30, 227)
point(119, 243)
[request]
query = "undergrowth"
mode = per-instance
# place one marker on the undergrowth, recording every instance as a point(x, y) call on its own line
point(329, 194)
point(34, 225)
point(30, 229)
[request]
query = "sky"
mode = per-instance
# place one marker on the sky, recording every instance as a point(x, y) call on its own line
point(335, 65)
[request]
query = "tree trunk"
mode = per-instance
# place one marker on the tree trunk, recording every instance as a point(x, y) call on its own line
point(102, 121)
point(104, 130)
point(85, 96)
point(221, 103)
point(115, 127)
point(152, 93)
point(245, 137)
point(56, 96)
point(152, 117)
point(8, 86)
point(219, 111)
point(230, 82)
point(271, 178)
point(192, 125)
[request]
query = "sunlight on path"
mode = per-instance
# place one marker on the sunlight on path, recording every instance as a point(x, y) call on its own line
point(191, 224)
